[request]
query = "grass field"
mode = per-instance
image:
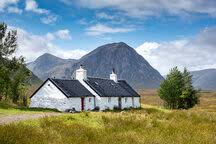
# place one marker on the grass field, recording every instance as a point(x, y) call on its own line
point(151, 124)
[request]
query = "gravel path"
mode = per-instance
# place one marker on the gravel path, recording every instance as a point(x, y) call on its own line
point(21, 117)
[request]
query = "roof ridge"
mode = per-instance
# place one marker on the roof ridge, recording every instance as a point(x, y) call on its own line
point(64, 79)
point(100, 78)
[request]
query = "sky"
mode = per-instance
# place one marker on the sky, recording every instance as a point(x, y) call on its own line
point(167, 33)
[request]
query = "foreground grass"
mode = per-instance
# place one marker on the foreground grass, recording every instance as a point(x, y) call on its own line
point(151, 124)
point(147, 125)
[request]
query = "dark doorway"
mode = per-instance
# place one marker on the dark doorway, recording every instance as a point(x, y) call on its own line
point(119, 102)
point(82, 104)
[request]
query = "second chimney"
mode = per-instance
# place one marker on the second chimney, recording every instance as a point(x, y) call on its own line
point(81, 73)
point(113, 76)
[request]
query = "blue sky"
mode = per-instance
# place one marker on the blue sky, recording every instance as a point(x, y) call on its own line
point(166, 33)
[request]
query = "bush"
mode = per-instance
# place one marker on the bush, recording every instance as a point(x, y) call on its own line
point(177, 90)
point(116, 108)
point(97, 108)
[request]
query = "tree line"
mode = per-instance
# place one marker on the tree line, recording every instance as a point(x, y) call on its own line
point(13, 73)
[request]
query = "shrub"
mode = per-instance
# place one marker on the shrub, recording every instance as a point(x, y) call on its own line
point(177, 90)
point(97, 108)
point(116, 108)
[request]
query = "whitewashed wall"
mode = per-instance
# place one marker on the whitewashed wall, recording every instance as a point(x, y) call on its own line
point(137, 103)
point(89, 103)
point(104, 103)
point(126, 102)
point(51, 97)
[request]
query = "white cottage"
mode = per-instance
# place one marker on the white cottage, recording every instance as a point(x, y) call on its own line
point(85, 93)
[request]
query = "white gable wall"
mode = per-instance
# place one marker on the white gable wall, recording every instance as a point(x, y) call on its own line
point(49, 96)
point(49, 90)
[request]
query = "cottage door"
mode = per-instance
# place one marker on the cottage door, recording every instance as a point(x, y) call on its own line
point(119, 103)
point(82, 104)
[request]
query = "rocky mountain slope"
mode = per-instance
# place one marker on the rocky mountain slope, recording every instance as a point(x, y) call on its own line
point(205, 79)
point(129, 65)
point(44, 64)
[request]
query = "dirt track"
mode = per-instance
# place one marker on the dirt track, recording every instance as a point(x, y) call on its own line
point(21, 117)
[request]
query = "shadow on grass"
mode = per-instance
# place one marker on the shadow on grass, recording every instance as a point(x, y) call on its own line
point(38, 109)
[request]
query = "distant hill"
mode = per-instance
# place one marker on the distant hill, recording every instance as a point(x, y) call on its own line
point(46, 62)
point(204, 79)
point(129, 65)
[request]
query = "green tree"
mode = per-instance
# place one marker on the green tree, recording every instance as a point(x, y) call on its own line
point(177, 90)
point(13, 73)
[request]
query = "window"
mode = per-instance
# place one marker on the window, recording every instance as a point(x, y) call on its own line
point(89, 99)
point(109, 99)
point(125, 99)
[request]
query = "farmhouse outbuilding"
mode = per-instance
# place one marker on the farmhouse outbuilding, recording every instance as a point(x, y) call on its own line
point(83, 93)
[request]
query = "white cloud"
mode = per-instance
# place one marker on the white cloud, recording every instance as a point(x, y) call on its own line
point(194, 54)
point(31, 46)
point(31, 5)
point(142, 8)
point(146, 48)
point(83, 22)
point(100, 29)
point(6, 3)
point(49, 19)
point(14, 10)
point(103, 15)
point(63, 34)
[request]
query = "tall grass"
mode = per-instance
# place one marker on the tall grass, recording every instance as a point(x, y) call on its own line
point(149, 125)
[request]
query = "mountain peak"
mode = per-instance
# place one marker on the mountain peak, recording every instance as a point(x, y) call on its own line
point(116, 45)
point(128, 64)
point(119, 44)
point(45, 55)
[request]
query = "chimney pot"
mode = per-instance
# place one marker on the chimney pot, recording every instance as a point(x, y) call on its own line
point(113, 76)
point(81, 73)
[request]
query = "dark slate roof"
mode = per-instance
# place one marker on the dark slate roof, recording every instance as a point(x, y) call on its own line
point(71, 88)
point(127, 87)
point(107, 88)
point(103, 87)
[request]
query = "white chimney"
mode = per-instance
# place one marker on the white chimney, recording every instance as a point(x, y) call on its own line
point(113, 76)
point(81, 73)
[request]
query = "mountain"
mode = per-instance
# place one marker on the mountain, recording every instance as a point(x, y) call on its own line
point(46, 62)
point(204, 79)
point(128, 64)
point(34, 80)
